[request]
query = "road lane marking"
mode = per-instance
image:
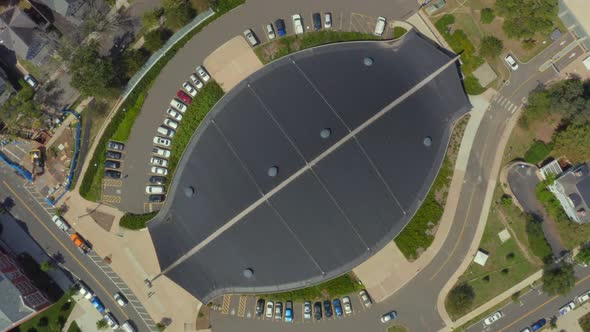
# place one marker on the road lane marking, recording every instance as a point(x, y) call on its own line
point(60, 243)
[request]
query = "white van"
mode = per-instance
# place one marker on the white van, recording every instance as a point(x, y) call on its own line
point(250, 37)
point(61, 223)
point(127, 327)
point(380, 26)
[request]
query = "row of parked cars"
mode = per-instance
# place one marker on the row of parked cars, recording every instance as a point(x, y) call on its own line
point(113, 156)
point(165, 133)
point(108, 317)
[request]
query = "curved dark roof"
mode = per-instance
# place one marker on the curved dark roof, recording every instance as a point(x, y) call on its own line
point(308, 167)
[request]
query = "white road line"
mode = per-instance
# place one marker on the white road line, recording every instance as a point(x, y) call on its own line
point(500, 99)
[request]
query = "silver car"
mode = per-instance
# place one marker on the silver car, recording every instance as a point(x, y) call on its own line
point(162, 141)
point(174, 114)
point(166, 131)
point(189, 89)
point(365, 298)
point(159, 170)
point(270, 32)
point(171, 123)
point(178, 105)
point(307, 310)
point(250, 37)
point(203, 74)
point(159, 161)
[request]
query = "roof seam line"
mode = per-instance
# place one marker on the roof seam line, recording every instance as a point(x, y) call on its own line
point(313, 162)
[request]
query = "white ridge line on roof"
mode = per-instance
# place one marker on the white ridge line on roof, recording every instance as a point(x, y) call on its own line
point(309, 165)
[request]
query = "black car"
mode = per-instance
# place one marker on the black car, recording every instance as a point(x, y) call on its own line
point(328, 308)
point(156, 198)
point(280, 24)
point(259, 307)
point(317, 310)
point(112, 174)
point(317, 21)
point(157, 179)
point(115, 146)
point(112, 164)
point(114, 155)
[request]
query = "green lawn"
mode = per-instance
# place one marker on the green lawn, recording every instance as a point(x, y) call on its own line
point(481, 316)
point(52, 319)
point(398, 32)
point(336, 287)
point(136, 221)
point(397, 328)
point(74, 327)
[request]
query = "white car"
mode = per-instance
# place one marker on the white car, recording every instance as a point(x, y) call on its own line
point(85, 291)
point(61, 223)
point(111, 321)
point(365, 298)
point(31, 81)
point(171, 123)
point(120, 299)
point(161, 152)
point(583, 297)
point(347, 306)
point(159, 161)
point(250, 37)
point(269, 307)
point(380, 26)
point(154, 189)
point(203, 74)
point(176, 115)
point(166, 131)
point(196, 81)
point(307, 310)
point(511, 62)
point(178, 105)
point(270, 32)
point(159, 170)
point(162, 141)
point(189, 89)
point(494, 317)
point(298, 24)
point(327, 21)
point(388, 316)
point(526, 329)
point(567, 308)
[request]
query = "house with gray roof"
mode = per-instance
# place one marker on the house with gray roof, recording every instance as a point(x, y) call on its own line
point(21, 37)
point(63, 14)
point(572, 189)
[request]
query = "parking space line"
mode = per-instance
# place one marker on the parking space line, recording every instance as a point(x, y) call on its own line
point(110, 199)
point(225, 306)
point(242, 306)
point(112, 183)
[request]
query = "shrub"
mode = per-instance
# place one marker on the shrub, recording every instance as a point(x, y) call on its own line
point(340, 286)
point(490, 47)
point(472, 85)
point(583, 257)
point(178, 13)
point(398, 32)
point(537, 152)
point(515, 297)
point(506, 201)
point(585, 322)
point(460, 299)
point(558, 279)
point(537, 241)
point(510, 256)
point(136, 221)
point(486, 278)
point(151, 18)
point(155, 39)
point(487, 15)
point(102, 324)
point(505, 271)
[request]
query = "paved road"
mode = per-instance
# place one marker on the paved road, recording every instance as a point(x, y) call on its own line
point(347, 15)
point(416, 301)
point(36, 220)
point(533, 306)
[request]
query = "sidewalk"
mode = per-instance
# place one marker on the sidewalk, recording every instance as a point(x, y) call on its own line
point(84, 314)
point(569, 322)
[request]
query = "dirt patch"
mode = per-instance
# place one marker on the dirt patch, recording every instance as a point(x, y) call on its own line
point(545, 129)
point(103, 220)
point(203, 318)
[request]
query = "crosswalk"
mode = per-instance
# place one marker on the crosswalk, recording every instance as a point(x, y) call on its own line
point(505, 103)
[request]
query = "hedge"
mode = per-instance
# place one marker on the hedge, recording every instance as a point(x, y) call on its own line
point(337, 287)
point(537, 241)
point(136, 221)
point(538, 152)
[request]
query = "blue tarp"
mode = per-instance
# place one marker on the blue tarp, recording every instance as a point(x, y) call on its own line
point(26, 174)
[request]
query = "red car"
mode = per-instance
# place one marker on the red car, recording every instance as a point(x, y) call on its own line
point(184, 97)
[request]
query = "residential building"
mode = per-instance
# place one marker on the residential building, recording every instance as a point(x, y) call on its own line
point(21, 38)
point(572, 189)
point(20, 299)
point(63, 14)
point(6, 88)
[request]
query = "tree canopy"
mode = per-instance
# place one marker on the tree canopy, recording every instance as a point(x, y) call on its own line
point(573, 142)
point(558, 279)
point(487, 15)
point(490, 47)
point(92, 74)
point(460, 298)
point(523, 18)
point(178, 13)
point(583, 257)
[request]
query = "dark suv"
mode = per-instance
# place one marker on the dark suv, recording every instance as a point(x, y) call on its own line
point(259, 307)
point(317, 310)
point(157, 179)
point(114, 155)
point(280, 24)
point(112, 164)
point(327, 308)
point(317, 21)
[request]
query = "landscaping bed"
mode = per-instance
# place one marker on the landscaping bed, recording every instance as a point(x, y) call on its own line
point(52, 319)
point(337, 287)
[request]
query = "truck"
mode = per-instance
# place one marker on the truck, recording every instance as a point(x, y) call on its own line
point(61, 223)
point(80, 242)
point(36, 161)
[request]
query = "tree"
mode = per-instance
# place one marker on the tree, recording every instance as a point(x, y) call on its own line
point(583, 257)
point(506, 200)
point(460, 299)
point(487, 15)
point(21, 110)
point(46, 266)
point(92, 74)
point(524, 18)
point(151, 19)
point(178, 13)
point(490, 47)
point(558, 279)
point(102, 324)
point(133, 60)
point(573, 142)
point(155, 39)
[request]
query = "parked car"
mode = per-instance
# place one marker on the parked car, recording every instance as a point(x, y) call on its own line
point(166, 131)
point(347, 306)
point(178, 105)
point(115, 146)
point(159, 161)
point(112, 164)
point(280, 24)
point(337, 307)
point(156, 198)
point(184, 97)
point(159, 170)
point(365, 298)
point(297, 24)
point(189, 88)
point(109, 173)
point(511, 62)
point(493, 317)
point(270, 32)
point(120, 299)
point(583, 297)
point(317, 21)
point(162, 141)
point(127, 327)
point(259, 307)
point(60, 223)
point(567, 308)
point(278, 311)
point(111, 321)
point(203, 74)
point(538, 324)
point(328, 21)
point(250, 37)
point(196, 81)
point(154, 189)
point(31, 81)
point(380, 26)
point(161, 152)
point(85, 291)
point(526, 329)
point(317, 310)
point(307, 310)
point(174, 114)
point(97, 304)
point(114, 154)
point(288, 311)
point(171, 123)
point(269, 309)
point(327, 309)
point(388, 316)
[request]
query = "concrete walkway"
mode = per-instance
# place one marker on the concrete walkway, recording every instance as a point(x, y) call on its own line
point(84, 314)
point(569, 322)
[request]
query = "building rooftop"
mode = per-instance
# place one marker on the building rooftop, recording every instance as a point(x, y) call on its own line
point(309, 166)
point(575, 184)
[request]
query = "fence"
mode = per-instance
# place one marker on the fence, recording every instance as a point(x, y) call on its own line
point(18, 168)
